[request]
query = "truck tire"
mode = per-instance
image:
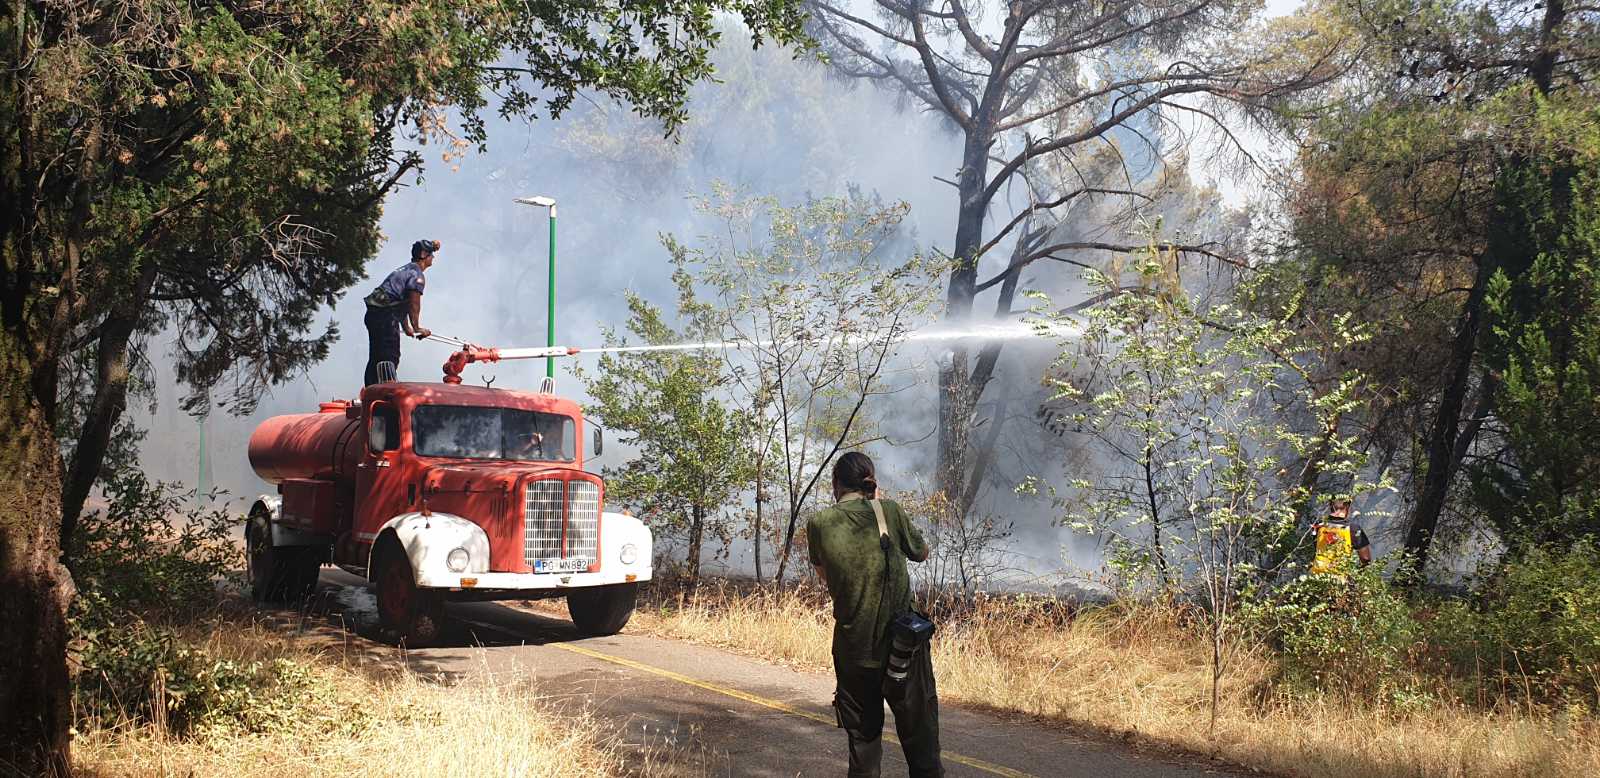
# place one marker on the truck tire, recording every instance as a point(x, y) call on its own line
point(411, 616)
point(305, 566)
point(602, 610)
point(278, 573)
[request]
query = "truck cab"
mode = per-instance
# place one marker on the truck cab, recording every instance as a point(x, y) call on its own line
point(441, 491)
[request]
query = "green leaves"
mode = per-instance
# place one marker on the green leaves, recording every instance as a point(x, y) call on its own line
point(695, 451)
point(1435, 170)
point(1543, 343)
point(645, 54)
point(146, 560)
point(812, 302)
point(1189, 409)
point(217, 168)
point(1351, 640)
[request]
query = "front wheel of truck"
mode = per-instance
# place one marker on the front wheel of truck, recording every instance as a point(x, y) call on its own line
point(407, 613)
point(602, 610)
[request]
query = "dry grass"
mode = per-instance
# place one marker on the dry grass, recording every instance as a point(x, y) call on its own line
point(1142, 674)
point(349, 722)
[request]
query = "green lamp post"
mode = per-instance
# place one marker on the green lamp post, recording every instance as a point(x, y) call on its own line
point(203, 477)
point(550, 312)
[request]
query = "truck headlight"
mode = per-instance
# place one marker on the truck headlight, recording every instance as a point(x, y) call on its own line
point(458, 559)
point(629, 555)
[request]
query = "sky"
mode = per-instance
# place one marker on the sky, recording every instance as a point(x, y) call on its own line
point(774, 126)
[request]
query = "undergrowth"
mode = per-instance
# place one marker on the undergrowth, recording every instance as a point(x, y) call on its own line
point(1329, 679)
point(327, 715)
point(175, 675)
point(145, 565)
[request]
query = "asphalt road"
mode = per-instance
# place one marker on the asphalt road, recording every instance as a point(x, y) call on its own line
point(695, 710)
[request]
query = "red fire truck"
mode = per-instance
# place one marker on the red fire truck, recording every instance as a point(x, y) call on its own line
point(439, 491)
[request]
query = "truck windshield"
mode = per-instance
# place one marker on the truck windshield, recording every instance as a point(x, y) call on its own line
point(492, 433)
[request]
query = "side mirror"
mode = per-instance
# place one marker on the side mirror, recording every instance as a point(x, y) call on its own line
point(383, 428)
point(377, 434)
point(599, 446)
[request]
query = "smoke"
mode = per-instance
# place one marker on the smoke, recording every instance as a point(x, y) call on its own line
point(775, 126)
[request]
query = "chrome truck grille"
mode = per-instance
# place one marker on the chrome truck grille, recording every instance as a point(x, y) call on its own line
point(561, 519)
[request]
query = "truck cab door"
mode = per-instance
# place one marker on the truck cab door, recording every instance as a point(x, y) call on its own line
point(381, 475)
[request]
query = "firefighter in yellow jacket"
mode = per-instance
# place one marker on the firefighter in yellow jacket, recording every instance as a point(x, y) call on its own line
point(1337, 539)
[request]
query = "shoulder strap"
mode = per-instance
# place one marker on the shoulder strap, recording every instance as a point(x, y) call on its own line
point(883, 543)
point(877, 510)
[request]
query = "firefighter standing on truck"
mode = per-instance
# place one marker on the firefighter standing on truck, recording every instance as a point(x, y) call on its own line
point(394, 306)
point(1337, 539)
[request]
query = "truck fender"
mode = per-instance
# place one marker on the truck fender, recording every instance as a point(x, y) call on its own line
point(266, 508)
point(269, 504)
point(428, 541)
point(618, 530)
point(270, 507)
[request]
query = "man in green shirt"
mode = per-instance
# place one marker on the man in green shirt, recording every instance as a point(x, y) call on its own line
point(865, 572)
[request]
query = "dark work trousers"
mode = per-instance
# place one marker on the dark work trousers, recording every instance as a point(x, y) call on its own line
point(858, 700)
point(383, 340)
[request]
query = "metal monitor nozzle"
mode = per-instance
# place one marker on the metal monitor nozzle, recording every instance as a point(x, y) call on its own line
point(469, 353)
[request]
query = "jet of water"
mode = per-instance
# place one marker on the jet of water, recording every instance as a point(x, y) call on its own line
point(1015, 329)
point(709, 346)
point(1010, 330)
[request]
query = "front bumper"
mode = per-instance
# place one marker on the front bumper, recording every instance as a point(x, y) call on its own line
point(532, 581)
point(428, 541)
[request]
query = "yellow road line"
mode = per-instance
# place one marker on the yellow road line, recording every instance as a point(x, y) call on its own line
point(988, 767)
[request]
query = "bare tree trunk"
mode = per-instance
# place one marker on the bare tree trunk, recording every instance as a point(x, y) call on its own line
point(110, 400)
point(1442, 442)
point(984, 458)
point(35, 588)
point(1216, 680)
point(1155, 523)
point(788, 543)
point(1445, 450)
point(957, 393)
point(35, 706)
point(982, 372)
point(763, 452)
point(697, 528)
point(755, 535)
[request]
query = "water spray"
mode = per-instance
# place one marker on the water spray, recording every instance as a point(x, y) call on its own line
point(467, 353)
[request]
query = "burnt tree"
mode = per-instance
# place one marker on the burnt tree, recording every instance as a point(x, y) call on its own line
point(1023, 82)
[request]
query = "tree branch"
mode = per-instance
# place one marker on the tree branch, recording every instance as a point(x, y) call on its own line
point(974, 41)
point(1049, 251)
point(1052, 204)
point(936, 79)
point(887, 70)
point(1106, 125)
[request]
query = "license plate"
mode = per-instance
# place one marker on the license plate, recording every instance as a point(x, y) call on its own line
point(569, 565)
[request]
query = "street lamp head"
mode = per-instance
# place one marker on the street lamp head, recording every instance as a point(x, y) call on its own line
point(539, 200)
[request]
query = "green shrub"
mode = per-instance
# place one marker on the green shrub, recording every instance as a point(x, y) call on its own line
point(132, 671)
point(1353, 639)
point(150, 550)
point(146, 563)
point(1534, 633)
